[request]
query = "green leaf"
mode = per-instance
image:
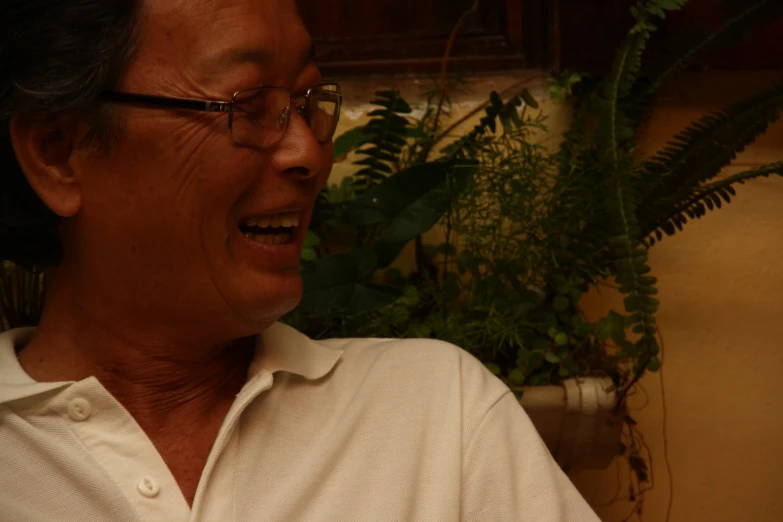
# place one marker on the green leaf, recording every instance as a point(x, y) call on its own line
point(530, 100)
point(394, 277)
point(708, 194)
point(341, 282)
point(348, 142)
point(675, 177)
point(420, 331)
point(312, 239)
point(309, 254)
point(516, 377)
point(339, 269)
point(654, 365)
point(417, 217)
point(561, 339)
point(400, 191)
point(494, 368)
point(561, 303)
point(552, 357)
point(347, 298)
point(540, 344)
point(603, 329)
point(581, 330)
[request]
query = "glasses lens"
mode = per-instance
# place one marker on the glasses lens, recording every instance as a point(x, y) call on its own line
point(324, 111)
point(260, 116)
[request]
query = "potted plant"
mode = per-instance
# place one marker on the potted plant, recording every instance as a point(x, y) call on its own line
point(526, 232)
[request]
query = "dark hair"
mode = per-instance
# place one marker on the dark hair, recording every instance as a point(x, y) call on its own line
point(55, 57)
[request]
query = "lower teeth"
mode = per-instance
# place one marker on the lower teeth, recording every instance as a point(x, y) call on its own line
point(278, 238)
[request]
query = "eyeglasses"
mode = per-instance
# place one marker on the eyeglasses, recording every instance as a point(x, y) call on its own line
point(257, 117)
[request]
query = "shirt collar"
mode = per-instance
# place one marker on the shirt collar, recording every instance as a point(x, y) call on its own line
point(282, 348)
point(278, 348)
point(14, 382)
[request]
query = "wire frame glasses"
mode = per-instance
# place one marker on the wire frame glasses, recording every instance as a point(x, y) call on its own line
point(257, 117)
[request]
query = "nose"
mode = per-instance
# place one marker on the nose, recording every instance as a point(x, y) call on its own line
point(298, 152)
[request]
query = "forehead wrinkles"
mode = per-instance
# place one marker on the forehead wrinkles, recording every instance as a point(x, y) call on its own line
point(197, 37)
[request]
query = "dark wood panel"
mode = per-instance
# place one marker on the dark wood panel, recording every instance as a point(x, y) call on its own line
point(591, 31)
point(393, 36)
point(762, 50)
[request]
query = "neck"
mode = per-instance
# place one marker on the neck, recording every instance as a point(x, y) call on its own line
point(155, 374)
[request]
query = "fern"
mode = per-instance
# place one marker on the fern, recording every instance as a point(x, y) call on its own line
point(615, 138)
point(708, 197)
point(508, 115)
point(386, 137)
point(701, 151)
point(738, 19)
point(691, 43)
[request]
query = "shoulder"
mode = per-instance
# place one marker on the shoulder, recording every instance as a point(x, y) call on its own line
point(427, 365)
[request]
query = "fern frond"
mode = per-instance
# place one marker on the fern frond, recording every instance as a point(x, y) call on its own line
point(702, 150)
point(738, 19)
point(616, 132)
point(708, 197)
point(386, 134)
point(505, 113)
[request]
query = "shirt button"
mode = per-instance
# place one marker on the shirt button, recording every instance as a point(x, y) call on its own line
point(148, 487)
point(79, 409)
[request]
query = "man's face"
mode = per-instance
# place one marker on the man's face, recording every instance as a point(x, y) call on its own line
point(160, 223)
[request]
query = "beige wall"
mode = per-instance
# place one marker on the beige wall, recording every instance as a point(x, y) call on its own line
point(721, 288)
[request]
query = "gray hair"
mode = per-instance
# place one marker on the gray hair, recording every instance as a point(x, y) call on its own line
point(55, 57)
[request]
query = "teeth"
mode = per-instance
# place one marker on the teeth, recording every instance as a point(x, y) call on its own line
point(288, 219)
point(278, 238)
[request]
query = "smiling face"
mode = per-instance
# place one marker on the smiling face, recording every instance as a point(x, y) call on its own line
point(163, 225)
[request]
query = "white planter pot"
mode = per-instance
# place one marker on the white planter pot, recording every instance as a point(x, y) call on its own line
point(576, 421)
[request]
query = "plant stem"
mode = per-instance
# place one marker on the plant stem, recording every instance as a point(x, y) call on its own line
point(419, 256)
point(443, 74)
point(624, 392)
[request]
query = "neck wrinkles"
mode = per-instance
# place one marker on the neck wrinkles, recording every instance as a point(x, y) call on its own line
point(150, 372)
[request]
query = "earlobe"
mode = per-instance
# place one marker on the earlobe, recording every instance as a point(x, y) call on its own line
point(43, 149)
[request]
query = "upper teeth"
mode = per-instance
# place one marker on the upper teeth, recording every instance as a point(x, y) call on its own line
point(287, 219)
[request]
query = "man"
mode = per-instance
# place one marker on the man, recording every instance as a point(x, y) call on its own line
point(163, 159)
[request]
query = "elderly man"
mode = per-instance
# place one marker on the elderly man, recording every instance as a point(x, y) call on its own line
point(162, 158)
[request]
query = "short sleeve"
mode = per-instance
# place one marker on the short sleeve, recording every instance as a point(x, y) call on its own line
point(510, 476)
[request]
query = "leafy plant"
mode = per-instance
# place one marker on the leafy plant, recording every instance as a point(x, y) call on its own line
point(21, 296)
point(527, 232)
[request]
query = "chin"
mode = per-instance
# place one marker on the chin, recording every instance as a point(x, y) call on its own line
point(268, 302)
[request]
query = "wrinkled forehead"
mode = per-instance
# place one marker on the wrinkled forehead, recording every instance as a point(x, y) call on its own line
point(207, 38)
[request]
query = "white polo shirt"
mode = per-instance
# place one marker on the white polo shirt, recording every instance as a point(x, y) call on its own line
point(361, 430)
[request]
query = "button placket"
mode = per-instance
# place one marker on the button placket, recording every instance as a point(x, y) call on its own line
point(123, 450)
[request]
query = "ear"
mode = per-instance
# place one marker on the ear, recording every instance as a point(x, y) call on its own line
point(43, 145)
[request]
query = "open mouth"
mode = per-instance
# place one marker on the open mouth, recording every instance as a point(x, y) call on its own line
point(277, 229)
